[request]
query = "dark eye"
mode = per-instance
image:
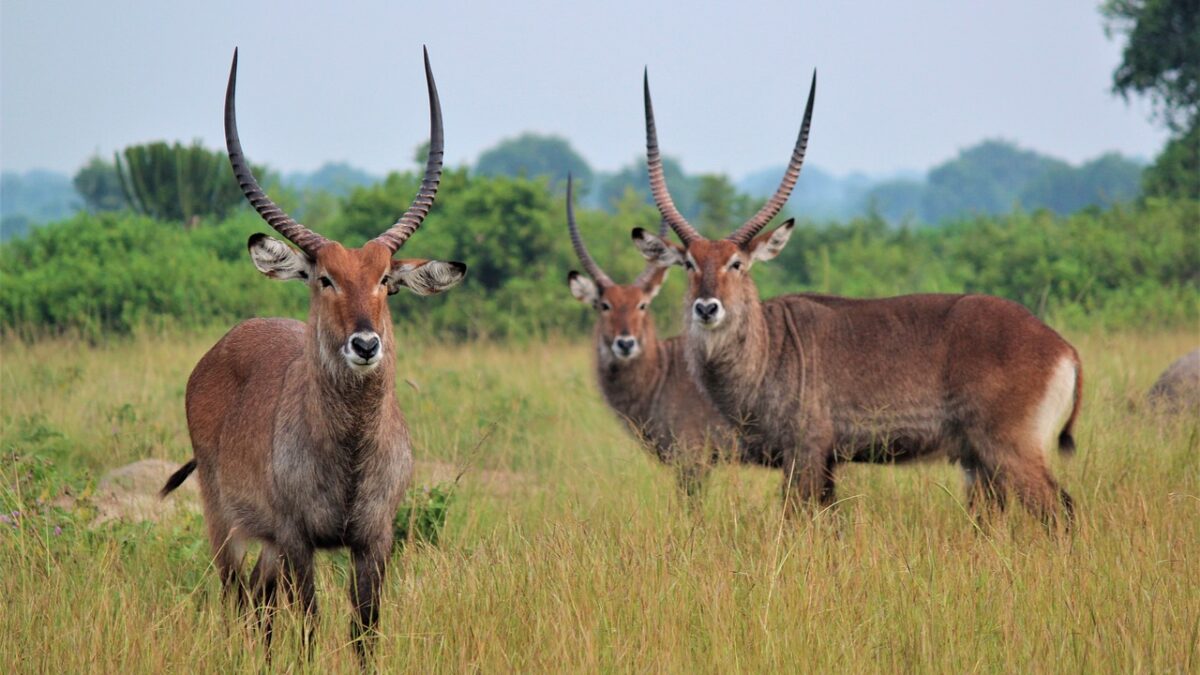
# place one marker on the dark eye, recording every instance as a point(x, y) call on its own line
point(642, 306)
point(735, 265)
point(604, 306)
point(687, 264)
point(326, 282)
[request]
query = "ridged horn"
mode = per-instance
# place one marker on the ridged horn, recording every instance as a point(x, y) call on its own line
point(581, 251)
point(408, 223)
point(658, 182)
point(775, 204)
point(301, 236)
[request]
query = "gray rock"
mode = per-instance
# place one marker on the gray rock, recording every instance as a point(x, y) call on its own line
point(1178, 388)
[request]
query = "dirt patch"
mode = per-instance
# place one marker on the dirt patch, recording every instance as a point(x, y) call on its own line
point(130, 493)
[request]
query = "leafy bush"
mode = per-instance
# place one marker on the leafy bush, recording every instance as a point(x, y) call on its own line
point(1082, 267)
point(108, 273)
point(422, 515)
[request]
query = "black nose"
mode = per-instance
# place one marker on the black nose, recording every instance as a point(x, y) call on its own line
point(365, 349)
point(626, 345)
point(707, 310)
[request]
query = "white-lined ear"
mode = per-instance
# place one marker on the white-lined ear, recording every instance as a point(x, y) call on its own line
point(583, 288)
point(424, 277)
point(277, 260)
point(656, 249)
point(766, 246)
point(654, 284)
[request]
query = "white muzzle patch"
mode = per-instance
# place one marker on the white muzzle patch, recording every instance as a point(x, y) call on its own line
point(707, 313)
point(625, 348)
point(363, 351)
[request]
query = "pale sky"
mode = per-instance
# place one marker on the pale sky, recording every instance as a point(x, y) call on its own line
point(903, 85)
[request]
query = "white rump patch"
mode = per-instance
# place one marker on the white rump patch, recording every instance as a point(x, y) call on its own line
point(1057, 401)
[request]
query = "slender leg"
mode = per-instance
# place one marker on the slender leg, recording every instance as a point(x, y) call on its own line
point(691, 477)
point(809, 479)
point(1013, 462)
point(1039, 492)
point(985, 494)
point(264, 583)
point(228, 551)
point(370, 563)
point(301, 585)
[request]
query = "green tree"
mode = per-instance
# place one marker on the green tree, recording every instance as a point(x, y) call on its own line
point(1176, 171)
point(99, 186)
point(33, 197)
point(1162, 60)
point(986, 178)
point(178, 183)
point(533, 155)
point(1161, 57)
point(1108, 179)
point(896, 200)
point(722, 207)
point(684, 188)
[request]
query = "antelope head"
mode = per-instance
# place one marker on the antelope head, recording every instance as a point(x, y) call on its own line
point(720, 289)
point(624, 324)
point(348, 286)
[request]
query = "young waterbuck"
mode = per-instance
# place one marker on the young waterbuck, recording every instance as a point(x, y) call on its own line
point(818, 380)
point(644, 379)
point(295, 428)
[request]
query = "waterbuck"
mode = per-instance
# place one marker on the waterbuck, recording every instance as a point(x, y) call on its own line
point(818, 380)
point(644, 379)
point(295, 428)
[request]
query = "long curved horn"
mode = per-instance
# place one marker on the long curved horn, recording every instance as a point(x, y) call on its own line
point(775, 204)
point(408, 223)
point(301, 236)
point(581, 251)
point(664, 231)
point(658, 182)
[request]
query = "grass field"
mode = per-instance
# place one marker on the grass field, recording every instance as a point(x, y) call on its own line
point(567, 548)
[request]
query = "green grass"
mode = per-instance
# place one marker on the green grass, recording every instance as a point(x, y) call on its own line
point(567, 549)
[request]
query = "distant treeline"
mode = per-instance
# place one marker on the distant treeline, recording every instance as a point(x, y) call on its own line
point(993, 177)
point(111, 273)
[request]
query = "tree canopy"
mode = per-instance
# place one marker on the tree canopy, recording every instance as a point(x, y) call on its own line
point(533, 155)
point(1162, 60)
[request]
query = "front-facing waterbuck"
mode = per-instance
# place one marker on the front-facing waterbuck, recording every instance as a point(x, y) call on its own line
point(818, 380)
point(295, 429)
point(644, 379)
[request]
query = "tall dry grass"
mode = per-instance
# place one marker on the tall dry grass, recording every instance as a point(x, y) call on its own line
point(567, 548)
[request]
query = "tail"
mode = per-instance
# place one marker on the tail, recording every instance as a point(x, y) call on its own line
point(181, 475)
point(1066, 442)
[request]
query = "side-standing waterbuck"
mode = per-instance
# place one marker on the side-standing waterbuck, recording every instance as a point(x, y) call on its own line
point(644, 379)
point(295, 429)
point(818, 380)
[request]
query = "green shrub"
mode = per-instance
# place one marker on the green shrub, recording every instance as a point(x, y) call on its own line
point(109, 273)
point(422, 514)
